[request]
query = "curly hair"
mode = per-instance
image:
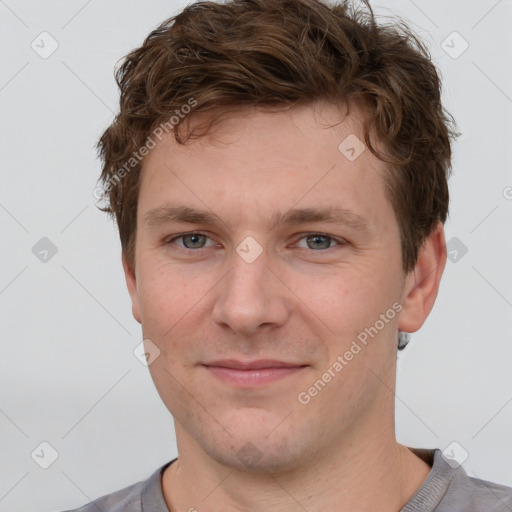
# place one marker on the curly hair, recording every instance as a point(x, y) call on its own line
point(274, 54)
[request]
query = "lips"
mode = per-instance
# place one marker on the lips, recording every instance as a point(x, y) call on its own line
point(252, 374)
point(253, 365)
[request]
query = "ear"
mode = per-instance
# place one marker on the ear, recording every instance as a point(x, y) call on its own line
point(422, 283)
point(131, 283)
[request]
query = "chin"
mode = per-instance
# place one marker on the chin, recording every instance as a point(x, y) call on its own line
point(247, 456)
point(257, 450)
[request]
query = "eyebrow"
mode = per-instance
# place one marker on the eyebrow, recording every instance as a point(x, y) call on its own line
point(333, 215)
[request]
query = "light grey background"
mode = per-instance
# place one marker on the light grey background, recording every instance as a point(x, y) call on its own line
point(67, 369)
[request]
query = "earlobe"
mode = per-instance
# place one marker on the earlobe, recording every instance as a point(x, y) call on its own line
point(131, 283)
point(422, 283)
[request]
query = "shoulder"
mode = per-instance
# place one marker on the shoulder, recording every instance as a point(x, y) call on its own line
point(478, 495)
point(448, 488)
point(132, 498)
point(126, 500)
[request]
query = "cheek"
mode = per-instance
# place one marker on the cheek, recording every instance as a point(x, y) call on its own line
point(173, 306)
point(346, 307)
point(166, 292)
point(161, 306)
point(342, 298)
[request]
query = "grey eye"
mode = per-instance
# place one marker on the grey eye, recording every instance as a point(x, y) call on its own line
point(318, 241)
point(194, 241)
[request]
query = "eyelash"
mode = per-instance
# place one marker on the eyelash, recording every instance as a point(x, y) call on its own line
point(339, 241)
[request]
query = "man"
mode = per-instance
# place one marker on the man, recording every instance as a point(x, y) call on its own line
point(278, 172)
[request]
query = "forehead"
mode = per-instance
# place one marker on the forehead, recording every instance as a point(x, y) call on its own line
point(268, 162)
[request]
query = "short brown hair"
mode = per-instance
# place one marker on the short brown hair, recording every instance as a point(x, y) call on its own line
point(274, 54)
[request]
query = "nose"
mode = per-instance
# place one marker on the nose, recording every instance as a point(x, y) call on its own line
point(251, 297)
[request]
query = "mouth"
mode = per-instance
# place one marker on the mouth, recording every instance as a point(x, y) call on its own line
point(252, 373)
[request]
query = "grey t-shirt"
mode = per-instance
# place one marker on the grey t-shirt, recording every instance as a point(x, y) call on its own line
point(446, 489)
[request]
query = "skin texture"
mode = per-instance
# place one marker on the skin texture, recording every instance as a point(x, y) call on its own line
point(295, 302)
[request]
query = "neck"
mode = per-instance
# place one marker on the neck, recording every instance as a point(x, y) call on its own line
point(367, 474)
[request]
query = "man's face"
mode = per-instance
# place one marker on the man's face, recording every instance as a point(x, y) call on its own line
point(296, 292)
